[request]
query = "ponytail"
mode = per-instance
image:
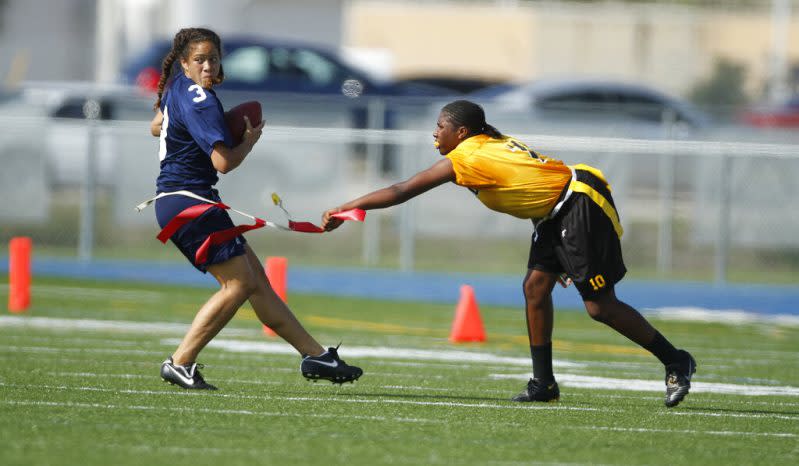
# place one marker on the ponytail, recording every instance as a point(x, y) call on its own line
point(470, 115)
point(492, 132)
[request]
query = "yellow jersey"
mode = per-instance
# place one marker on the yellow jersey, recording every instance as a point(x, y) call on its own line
point(508, 177)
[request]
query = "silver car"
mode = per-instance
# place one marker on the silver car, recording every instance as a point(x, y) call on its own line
point(589, 107)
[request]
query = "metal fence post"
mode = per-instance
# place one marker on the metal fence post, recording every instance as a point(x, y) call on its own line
point(91, 110)
point(666, 162)
point(666, 223)
point(376, 111)
point(723, 238)
point(407, 226)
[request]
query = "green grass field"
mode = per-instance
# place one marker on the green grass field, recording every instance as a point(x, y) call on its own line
point(79, 385)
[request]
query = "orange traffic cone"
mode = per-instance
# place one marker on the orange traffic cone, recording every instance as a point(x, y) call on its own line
point(19, 274)
point(276, 273)
point(467, 326)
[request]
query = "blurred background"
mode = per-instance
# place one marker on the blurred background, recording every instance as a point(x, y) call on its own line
point(689, 107)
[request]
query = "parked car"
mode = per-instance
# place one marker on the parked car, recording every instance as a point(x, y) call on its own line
point(56, 113)
point(263, 65)
point(592, 107)
point(450, 84)
point(300, 84)
point(785, 115)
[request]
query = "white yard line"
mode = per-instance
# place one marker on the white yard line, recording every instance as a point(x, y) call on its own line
point(350, 399)
point(448, 356)
point(216, 411)
point(691, 431)
point(723, 316)
point(246, 412)
point(58, 324)
point(94, 293)
point(638, 385)
point(46, 349)
point(382, 353)
point(418, 387)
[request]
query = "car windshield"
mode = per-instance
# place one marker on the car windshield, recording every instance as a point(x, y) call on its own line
point(493, 91)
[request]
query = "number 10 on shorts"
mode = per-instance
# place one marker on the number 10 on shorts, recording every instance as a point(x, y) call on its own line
point(597, 282)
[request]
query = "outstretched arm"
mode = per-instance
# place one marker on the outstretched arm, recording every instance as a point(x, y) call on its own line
point(438, 174)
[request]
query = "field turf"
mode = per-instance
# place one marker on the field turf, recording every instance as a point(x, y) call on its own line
point(79, 385)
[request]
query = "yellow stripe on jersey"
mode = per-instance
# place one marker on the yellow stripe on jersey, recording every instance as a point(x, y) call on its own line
point(596, 196)
point(508, 177)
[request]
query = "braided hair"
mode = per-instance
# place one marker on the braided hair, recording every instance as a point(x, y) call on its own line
point(180, 49)
point(470, 115)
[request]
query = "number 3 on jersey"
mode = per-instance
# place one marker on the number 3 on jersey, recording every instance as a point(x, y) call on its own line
point(200, 92)
point(597, 282)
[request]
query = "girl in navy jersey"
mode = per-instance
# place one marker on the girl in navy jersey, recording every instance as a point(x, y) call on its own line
point(195, 145)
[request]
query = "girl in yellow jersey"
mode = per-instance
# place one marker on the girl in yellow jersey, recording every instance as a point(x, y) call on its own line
point(576, 235)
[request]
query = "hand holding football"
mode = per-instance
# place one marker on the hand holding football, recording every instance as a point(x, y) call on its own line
point(234, 119)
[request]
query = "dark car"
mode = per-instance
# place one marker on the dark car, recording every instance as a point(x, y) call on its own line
point(259, 65)
point(593, 107)
point(450, 84)
point(301, 84)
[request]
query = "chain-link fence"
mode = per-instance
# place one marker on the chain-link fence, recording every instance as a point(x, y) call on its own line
point(717, 209)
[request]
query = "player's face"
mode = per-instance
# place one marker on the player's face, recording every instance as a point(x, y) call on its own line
point(447, 136)
point(202, 65)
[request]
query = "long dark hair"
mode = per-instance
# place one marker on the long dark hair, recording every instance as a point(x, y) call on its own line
point(180, 49)
point(470, 115)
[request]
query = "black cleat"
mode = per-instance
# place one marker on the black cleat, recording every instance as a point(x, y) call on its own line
point(538, 390)
point(329, 366)
point(184, 376)
point(678, 379)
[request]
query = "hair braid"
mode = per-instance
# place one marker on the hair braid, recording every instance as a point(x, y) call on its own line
point(180, 49)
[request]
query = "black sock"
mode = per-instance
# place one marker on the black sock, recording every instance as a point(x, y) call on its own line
point(542, 362)
point(663, 350)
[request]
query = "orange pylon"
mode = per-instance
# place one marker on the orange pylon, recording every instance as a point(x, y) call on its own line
point(467, 326)
point(19, 274)
point(275, 268)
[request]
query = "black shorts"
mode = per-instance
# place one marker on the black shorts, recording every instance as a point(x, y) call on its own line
point(580, 241)
point(191, 236)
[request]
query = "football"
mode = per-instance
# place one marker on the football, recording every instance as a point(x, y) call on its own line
point(234, 119)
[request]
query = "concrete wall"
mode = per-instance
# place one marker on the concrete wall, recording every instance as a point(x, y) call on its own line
point(47, 39)
point(671, 47)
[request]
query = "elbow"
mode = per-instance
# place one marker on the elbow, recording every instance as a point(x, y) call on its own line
point(225, 167)
point(222, 167)
point(398, 194)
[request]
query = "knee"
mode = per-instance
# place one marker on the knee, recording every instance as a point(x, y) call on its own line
point(243, 288)
point(603, 308)
point(595, 311)
point(535, 292)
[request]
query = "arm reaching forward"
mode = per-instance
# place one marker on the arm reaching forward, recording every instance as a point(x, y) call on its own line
point(438, 174)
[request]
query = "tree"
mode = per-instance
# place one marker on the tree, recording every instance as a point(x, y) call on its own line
point(723, 92)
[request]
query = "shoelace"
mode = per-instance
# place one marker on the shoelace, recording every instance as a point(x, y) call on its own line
point(191, 369)
point(334, 353)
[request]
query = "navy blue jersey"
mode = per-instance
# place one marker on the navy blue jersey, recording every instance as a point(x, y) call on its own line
point(193, 122)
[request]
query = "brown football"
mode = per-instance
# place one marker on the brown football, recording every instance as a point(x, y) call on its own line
point(234, 119)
